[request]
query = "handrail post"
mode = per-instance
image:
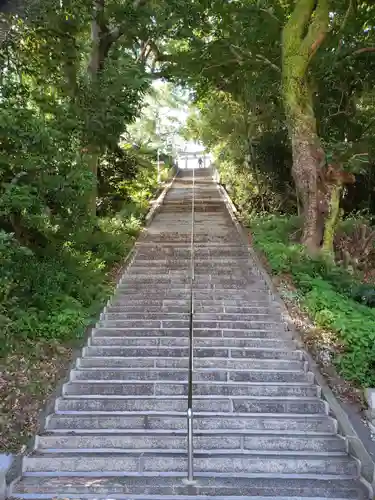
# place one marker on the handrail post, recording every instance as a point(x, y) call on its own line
point(190, 445)
point(190, 427)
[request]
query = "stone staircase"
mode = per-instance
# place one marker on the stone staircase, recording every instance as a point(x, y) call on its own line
point(261, 429)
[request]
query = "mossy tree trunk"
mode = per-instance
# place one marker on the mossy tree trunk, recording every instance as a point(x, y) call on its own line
point(99, 50)
point(302, 36)
point(103, 37)
point(332, 220)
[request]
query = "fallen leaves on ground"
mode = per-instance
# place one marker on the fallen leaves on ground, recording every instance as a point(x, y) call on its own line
point(321, 344)
point(28, 376)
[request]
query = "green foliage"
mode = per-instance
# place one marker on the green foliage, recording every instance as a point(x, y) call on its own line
point(55, 293)
point(365, 294)
point(56, 255)
point(328, 293)
point(160, 120)
point(67, 99)
point(123, 171)
point(237, 54)
point(250, 149)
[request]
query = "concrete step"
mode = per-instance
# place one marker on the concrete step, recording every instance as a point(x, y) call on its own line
point(206, 273)
point(168, 341)
point(145, 323)
point(181, 239)
point(150, 462)
point(151, 276)
point(263, 405)
point(149, 295)
point(145, 300)
point(166, 280)
point(147, 316)
point(283, 424)
point(200, 291)
point(201, 363)
point(198, 286)
point(179, 388)
point(140, 332)
point(251, 405)
point(228, 316)
point(252, 487)
point(171, 322)
point(239, 324)
point(179, 294)
point(198, 316)
point(178, 265)
point(184, 332)
point(231, 301)
point(241, 334)
point(181, 374)
point(153, 251)
point(200, 352)
point(182, 253)
point(178, 404)
point(139, 404)
point(107, 443)
point(198, 309)
point(132, 288)
point(171, 263)
point(141, 309)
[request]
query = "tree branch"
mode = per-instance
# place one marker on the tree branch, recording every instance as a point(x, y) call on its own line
point(267, 61)
point(139, 3)
point(259, 57)
point(369, 125)
point(350, 9)
point(300, 17)
point(270, 14)
point(117, 32)
point(356, 52)
point(99, 17)
point(318, 28)
point(206, 68)
point(238, 56)
point(155, 50)
point(144, 49)
point(99, 38)
point(362, 51)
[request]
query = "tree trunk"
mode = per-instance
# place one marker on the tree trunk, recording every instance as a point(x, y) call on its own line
point(308, 155)
point(93, 164)
point(302, 35)
point(332, 220)
point(307, 161)
point(305, 177)
point(100, 45)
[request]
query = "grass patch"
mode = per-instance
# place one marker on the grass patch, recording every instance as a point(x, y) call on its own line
point(42, 332)
point(30, 373)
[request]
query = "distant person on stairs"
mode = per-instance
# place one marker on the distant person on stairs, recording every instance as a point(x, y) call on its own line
point(200, 162)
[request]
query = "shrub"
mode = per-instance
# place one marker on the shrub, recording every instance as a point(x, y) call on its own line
point(330, 295)
point(53, 293)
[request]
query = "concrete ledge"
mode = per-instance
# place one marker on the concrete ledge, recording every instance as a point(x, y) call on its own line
point(10, 469)
point(356, 447)
point(370, 413)
point(5, 465)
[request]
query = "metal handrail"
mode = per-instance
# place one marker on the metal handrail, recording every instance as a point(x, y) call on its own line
point(191, 345)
